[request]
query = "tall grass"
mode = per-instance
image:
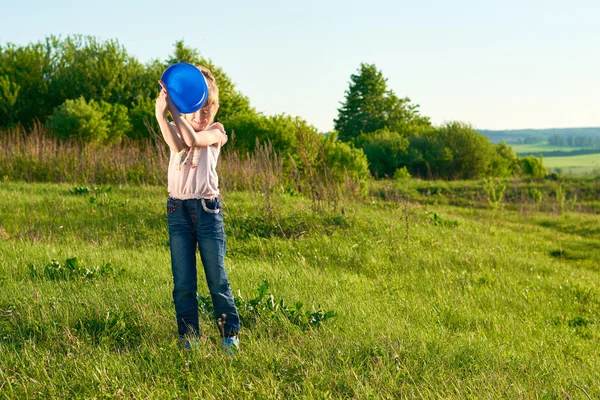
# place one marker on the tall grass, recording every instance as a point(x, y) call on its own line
point(37, 156)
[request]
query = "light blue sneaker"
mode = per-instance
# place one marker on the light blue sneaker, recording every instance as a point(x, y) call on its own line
point(230, 345)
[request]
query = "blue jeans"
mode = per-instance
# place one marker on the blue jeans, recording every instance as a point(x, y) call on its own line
point(199, 222)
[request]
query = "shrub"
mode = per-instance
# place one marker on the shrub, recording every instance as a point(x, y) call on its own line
point(118, 121)
point(79, 119)
point(532, 166)
point(92, 121)
point(342, 158)
point(504, 162)
point(251, 128)
point(385, 151)
point(401, 174)
point(536, 195)
point(142, 113)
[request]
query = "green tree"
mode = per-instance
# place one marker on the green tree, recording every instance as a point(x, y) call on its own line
point(385, 151)
point(9, 92)
point(370, 106)
point(471, 151)
point(451, 151)
point(231, 101)
point(25, 72)
point(96, 70)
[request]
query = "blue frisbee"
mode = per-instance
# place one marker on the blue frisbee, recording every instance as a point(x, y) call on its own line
point(187, 87)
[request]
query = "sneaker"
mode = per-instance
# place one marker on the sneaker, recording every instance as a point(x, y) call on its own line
point(230, 345)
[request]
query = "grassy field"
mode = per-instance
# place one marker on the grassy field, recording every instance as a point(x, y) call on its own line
point(541, 147)
point(575, 165)
point(431, 301)
point(571, 165)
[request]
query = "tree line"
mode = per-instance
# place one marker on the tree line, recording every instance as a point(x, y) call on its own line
point(82, 88)
point(397, 139)
point(575, 141)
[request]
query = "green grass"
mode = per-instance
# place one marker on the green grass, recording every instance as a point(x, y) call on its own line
point(575, 165)
point(431, 301)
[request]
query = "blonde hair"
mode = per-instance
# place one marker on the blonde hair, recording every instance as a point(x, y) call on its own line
point(213, 90)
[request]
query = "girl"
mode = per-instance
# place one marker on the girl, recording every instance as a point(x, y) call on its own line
point(195, 216)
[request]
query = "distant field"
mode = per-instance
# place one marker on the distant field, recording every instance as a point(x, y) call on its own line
point(542, 147)
point(575, 165)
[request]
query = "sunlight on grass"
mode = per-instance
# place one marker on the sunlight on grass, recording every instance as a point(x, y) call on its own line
point(430, 300)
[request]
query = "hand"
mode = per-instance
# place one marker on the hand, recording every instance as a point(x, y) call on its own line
point(168, 104)
point(161, 101)
point(219, 126)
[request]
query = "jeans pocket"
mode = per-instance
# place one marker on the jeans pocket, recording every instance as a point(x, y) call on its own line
point(211, 206)
point(172, 204)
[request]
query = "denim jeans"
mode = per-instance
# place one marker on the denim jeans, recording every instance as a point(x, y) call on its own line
point(199, 222)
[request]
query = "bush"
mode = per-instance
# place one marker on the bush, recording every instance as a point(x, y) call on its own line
point(251, 128)
point(266, 307)
point(505, 162)
point(451, 151)
point(79, 119)
point(142, 113)
point(532, 166)
point(401, 174)
point(342, 158)
point(92, 121)
point(118, 120)
point(385, 151)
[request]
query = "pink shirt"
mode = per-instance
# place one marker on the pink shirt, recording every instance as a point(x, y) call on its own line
point(193, 173)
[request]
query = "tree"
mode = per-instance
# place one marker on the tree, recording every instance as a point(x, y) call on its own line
point(25, 72)
point(451, 151)
point(370, 106)
point(385, 151)
point(231, 101)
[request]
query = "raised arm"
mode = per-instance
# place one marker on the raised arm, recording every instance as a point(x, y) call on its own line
point(215, 135)
point(168, 132)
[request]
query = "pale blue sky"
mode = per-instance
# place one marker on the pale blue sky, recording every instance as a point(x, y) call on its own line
point(498, 65)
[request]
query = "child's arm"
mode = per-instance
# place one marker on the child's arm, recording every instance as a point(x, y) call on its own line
point(215, 135)
point(191, 138)
point(169, 134)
